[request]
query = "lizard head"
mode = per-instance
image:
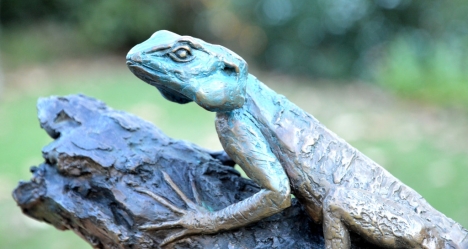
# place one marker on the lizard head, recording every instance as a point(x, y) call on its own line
point(186, 69)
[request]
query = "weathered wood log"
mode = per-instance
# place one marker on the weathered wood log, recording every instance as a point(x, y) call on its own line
point(101, 157)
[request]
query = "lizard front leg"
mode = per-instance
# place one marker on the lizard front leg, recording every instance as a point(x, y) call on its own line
point(246, 145)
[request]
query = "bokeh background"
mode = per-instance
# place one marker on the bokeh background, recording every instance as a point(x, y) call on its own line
point(389, 76)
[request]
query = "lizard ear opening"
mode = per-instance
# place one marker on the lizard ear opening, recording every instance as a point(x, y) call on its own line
point(173, 96)
point(235, 65)
point(230, 68)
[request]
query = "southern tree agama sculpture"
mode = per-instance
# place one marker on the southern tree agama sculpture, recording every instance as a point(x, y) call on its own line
point(285, 150)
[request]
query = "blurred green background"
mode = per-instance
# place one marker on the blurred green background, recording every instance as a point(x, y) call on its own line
point(389, 76)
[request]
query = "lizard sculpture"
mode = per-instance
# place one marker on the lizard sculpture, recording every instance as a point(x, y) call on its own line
point(286, 151)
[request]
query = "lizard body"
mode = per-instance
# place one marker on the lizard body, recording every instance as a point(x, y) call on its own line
point(286, 150)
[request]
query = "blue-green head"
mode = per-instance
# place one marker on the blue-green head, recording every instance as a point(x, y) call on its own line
point(186, 69)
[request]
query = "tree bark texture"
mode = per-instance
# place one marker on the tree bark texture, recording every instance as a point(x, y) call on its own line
point(100, 156)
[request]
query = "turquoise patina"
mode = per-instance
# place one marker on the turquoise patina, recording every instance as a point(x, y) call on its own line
point(285, 150)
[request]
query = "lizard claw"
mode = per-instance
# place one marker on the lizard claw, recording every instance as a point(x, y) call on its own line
point(161, 200)
point(190, 218)
point(175, 237)
point(162, 225)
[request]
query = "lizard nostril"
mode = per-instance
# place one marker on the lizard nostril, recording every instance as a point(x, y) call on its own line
point(136, 57)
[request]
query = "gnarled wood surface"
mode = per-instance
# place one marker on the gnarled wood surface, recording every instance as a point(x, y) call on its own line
point(100, 158)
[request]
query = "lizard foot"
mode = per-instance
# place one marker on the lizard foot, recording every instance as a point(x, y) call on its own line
point(196, 220)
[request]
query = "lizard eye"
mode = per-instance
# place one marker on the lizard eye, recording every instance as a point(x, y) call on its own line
point(181, 54)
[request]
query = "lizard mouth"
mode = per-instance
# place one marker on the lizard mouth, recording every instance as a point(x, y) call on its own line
point(145, 73)
point(150, 75)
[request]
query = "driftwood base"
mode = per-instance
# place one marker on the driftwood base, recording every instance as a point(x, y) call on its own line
point(101, 156)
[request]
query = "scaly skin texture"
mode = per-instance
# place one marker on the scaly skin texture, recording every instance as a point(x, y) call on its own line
point(286, 150)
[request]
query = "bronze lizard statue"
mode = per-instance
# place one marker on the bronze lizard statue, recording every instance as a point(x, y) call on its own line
point(285, 150)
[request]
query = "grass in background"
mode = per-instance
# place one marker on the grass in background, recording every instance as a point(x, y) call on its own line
point(44, 42)
point(434, 72)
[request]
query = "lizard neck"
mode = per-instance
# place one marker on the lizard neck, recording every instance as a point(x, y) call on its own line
point(259, 97)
